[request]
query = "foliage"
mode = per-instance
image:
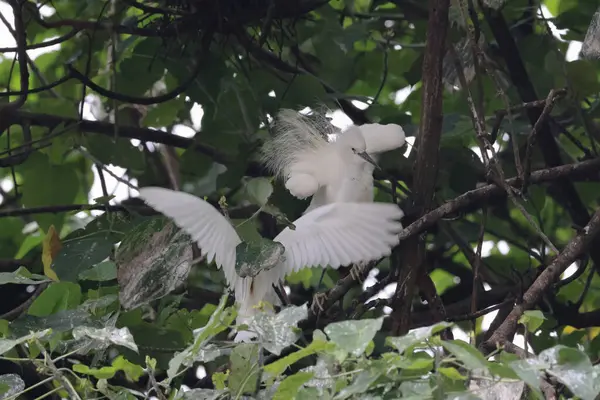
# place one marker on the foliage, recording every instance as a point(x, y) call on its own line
point(103, 299)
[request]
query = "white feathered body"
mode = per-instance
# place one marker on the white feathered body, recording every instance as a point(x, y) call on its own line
point(337, 234)
point(312, 165)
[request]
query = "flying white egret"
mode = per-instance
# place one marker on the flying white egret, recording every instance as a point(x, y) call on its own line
point(315, 160)
point(336, 234)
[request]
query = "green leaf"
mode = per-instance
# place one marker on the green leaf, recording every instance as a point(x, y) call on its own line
point(48, 185)
point(116, 151)
point(289, 386)
point(451, 373)
point(22, 277)
point(62, 321)
point(259, 190)
point(353, 336)
point(105, 271)
point(530, 371)
point(103, 337)
point(416, 336)
point(276, 331)
point(532, 320)
point(152, 250)
point(466, 353)
point(142, 69)
point(244, 368)
point(219, 379)
point(573, 368)
point(79, 255)
point(303, 91)
point(58, 296)
point(219, 320)
point(316, 346)
point(132, 371)
point(359, 385)
point(254, 257)
point(10, 384)
point(8, 344)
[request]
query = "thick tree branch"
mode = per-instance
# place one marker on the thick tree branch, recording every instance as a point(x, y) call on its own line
point(426, 168)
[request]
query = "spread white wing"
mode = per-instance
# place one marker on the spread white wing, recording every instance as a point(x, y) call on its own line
point(215, 236)
point(340, 234)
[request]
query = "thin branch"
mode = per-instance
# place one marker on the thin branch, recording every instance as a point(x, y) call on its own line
point(585, 169)
point(576, 247)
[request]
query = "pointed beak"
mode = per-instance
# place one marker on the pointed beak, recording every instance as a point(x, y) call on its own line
point(368, 159)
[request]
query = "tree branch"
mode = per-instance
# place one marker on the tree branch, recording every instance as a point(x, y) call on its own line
point(576, 247)
point(426, 168)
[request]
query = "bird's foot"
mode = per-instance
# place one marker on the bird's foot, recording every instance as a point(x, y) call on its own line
point(356, 272)
point(318, 303)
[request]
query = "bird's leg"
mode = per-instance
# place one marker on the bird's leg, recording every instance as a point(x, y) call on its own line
point(318, 302)
point(357, 270)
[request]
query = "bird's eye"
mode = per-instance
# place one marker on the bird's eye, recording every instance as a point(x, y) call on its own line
point(354, 149)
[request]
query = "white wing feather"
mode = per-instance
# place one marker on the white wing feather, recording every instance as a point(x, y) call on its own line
point(341, 234)
point(214, 234)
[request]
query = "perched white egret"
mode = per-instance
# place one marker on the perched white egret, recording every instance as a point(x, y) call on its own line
point(315, 160)
point(336, 234)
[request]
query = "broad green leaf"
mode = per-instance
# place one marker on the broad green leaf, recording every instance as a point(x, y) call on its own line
point(48, 185)
point(61, 321)
point(451, 373)
point(56, 297)
point(289, 387)
point(10, 384)
point(132, 371)
point(532, 319)
point(152, 250)
point(140, 71)
point(106, 336)
point(105, 271)
point(22, 277)
point(116, 151)
point(8, 344)
point(79, 255)
point(530, 371)
point(574, 369)
point(253, 257)
point(416, 336)
point(466, 354)
point(219, 320)
point(359, 385)
point(259, 190)
point(353, 336)
point(277, 331)
point(244, 368)
point(277, 367)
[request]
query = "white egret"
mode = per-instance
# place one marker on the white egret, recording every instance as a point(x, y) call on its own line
point(316, 161)
point(336, 234)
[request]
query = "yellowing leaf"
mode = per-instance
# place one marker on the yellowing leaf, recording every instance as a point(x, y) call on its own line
point(50, 248)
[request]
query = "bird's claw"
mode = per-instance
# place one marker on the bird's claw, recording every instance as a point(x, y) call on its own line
point(318, 302)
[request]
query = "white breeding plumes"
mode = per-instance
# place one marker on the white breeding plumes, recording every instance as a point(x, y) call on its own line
point(336, 234)
point(331, 170)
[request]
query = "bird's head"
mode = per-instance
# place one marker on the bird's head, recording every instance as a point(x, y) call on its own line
point(381, 138)
point(353, 140)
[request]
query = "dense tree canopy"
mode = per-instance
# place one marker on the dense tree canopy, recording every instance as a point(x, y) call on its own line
point(103, 298)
